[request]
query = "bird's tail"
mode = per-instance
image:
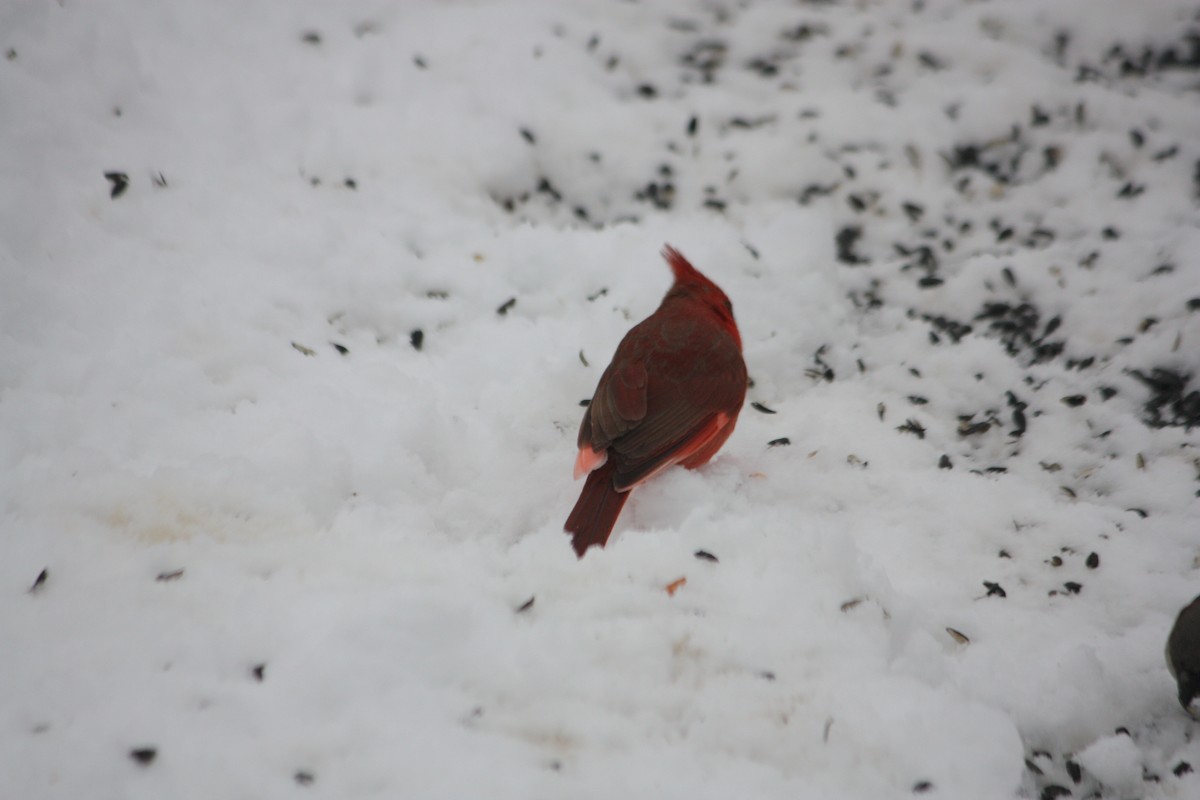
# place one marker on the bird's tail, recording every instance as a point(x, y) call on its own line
point(596, 510)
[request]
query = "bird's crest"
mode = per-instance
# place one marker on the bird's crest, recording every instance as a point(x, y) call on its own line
point(682, 268)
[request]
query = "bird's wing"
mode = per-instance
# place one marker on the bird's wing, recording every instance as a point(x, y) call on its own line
point(680, 420)
point(618, 405)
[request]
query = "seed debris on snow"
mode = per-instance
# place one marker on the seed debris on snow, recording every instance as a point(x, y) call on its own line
point(144, 756)
point(119, 181)
point(39, 581)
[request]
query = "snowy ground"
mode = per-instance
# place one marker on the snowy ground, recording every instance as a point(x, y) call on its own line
point(288, 407)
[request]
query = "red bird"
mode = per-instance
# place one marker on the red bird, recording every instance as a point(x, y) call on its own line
point(670, 396)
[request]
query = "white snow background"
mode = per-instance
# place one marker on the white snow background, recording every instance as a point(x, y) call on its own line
point(289, 553)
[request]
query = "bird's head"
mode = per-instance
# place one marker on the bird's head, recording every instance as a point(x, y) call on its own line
point(690, 284)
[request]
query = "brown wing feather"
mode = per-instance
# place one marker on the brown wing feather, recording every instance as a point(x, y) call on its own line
point(619, 402)
point(669, 431)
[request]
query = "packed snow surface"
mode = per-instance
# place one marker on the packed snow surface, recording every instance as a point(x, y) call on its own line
point(299, 300)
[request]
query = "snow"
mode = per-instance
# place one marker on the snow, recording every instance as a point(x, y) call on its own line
point(1115, 761)
point(289, 553)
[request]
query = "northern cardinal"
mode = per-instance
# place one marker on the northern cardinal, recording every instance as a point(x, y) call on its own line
point(670, 396)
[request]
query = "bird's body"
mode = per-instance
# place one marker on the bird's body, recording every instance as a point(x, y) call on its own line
point(671, 395)
point(1183, 656)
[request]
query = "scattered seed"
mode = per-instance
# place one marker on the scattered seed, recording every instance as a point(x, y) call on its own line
point(304, 778)
point(1054, 791)
point(675, 585)
point(913, 427)
point(506, 305)
point(757, 406)
point(958, 636)
point(704, 555)
point(1131, 189)
point(119, 181)
point(945, 463)
point(528, 136)
point(1181, 769)
point(308, 351)
point(921, 787)
point(1019, 423)
point(766, 675)
point(881, 410)
point(341, 348)
point(1074, 770)
point(528, 604)
point(968, 428)
point(994, 589)
point(417, 338)
point(144, 755)
point(259, 671)
point(585, 402)
point(1168, 152)
point(1072, 587)
point(173, 575)
point(1093, 560)
point(1056, 561)
point(782, 441)
point(40, 580)
point(1141, 512)
point(851, 604)
point(311, 37)
point(845, 240)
